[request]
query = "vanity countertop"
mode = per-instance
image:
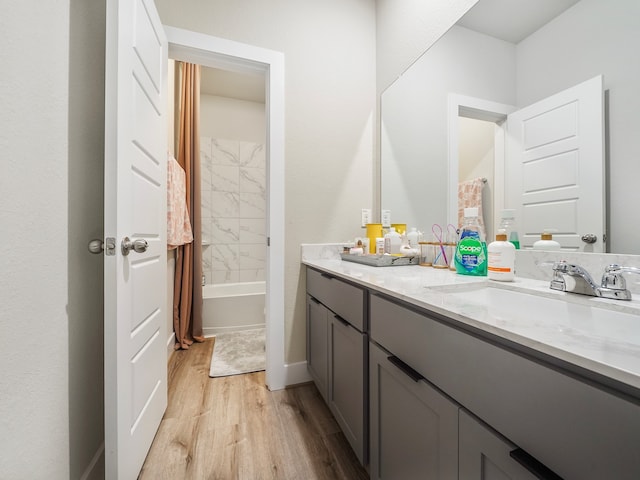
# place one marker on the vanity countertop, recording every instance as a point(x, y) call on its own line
point(608, 353)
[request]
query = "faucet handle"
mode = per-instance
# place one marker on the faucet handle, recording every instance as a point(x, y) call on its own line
point(613, 279)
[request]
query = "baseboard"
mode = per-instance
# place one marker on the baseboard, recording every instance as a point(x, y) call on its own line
point(95, 469)
point(295, 373)
point(211, 331)
point(171, 341)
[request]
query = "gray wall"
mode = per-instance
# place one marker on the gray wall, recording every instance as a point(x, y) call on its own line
point(51, 316)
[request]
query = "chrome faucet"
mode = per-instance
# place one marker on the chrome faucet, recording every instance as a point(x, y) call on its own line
point(568, 277)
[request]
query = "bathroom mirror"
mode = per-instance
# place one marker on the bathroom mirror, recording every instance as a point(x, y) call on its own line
point(484, 58)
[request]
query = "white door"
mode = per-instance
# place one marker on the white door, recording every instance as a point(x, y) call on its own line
point(135, 206)
point(555, 167)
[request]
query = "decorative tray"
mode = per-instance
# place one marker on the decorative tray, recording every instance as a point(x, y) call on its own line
point(381, 260)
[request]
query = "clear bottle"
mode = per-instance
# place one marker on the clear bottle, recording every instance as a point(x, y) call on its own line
point(392, 242)
point(501, 256)
point(413, 237)
point(471, 251)
point(508, 224)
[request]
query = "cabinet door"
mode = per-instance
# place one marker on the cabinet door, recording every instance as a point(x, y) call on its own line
point(485, 456)
point(347, 373)
point(414, 428)
point(317, 354)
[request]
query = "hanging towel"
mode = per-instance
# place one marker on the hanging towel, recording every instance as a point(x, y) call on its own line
point(178, 224)
point(470, 195)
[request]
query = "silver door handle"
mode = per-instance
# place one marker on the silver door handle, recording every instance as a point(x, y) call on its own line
point(589, 238)
point(138, 246)
point(96, 246)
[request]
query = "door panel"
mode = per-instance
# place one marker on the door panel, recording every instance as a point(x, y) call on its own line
point(555, 167)
point(135, 207)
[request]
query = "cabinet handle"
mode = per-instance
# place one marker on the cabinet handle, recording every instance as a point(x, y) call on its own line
point(326, 275)
point(313, 299)
point(538, 469)
point(341, 320)
point(406, 369)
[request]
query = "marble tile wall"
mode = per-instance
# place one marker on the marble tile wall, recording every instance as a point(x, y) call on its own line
point(233, 210)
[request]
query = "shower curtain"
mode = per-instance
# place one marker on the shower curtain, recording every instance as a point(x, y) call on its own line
point(187, 291)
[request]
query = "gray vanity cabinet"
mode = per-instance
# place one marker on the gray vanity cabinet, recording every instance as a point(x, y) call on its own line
point(485, 454)
point(570, 425)
point(337, 353)
point(347, 399)
point(317, 347)
point(413, 427)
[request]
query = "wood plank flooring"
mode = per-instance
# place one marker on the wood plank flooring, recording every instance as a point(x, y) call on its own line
point(233, 428)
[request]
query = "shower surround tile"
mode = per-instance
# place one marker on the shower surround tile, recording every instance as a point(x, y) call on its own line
point(252, 257)
point(225, 257)
point(253, 230)
point(252, 155)
point(233, 209)
point(225, 178)
point(253, 180)
point(225, 231)
point(252, 205)
point(252, 275)
point(225, 152)
point(225, 205)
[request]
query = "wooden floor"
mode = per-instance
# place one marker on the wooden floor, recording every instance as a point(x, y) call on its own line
point(234, 428)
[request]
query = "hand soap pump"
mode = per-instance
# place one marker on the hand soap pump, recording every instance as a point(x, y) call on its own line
point(502, 258)
point(546, 241)
point(508, 224)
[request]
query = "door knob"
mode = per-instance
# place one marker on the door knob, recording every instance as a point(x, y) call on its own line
point(589, 238)
point(96, 246)
point(138, 246)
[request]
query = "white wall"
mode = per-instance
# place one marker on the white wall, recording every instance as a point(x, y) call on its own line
point(51, 320)
point(589, 39)
point(329, 50)
point(232, 119)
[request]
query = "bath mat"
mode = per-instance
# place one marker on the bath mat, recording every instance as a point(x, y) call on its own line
point(238, 352)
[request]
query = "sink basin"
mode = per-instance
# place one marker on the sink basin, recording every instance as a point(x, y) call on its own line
point(579, 319)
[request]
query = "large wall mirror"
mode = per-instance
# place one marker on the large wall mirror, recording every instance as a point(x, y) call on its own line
point(502, 56)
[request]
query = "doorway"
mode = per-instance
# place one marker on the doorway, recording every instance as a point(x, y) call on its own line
point(232, 56)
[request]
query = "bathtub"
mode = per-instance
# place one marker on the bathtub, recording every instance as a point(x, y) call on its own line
point(231, 307)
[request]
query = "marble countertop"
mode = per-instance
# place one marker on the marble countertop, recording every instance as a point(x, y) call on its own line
point(590, 340)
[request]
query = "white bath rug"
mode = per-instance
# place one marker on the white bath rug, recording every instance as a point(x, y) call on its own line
point(238, 352)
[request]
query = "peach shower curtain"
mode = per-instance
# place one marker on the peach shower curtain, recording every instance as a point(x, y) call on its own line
point(187, 291)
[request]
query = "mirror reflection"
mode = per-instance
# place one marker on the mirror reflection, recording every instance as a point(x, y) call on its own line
point(476, 61)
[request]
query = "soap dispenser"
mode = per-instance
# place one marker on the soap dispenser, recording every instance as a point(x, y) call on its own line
point(546, 241)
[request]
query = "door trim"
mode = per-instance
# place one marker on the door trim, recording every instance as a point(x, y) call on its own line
point(479, 109)
point(226, 54)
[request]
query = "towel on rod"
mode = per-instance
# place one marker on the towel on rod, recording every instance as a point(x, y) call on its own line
point(179, 229)
point(470, 195)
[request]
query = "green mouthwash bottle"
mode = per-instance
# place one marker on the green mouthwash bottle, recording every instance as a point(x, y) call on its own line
point(471, 252)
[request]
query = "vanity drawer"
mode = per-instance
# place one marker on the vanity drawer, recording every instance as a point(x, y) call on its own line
point(340, 297)
point(574, 428)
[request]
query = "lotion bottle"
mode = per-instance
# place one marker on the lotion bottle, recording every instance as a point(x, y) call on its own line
point(501, 258)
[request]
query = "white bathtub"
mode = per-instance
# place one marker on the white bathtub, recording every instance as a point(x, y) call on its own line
point(231, 307)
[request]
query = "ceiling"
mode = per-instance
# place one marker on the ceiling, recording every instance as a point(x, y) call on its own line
point(512, 20)
point(240, 86)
